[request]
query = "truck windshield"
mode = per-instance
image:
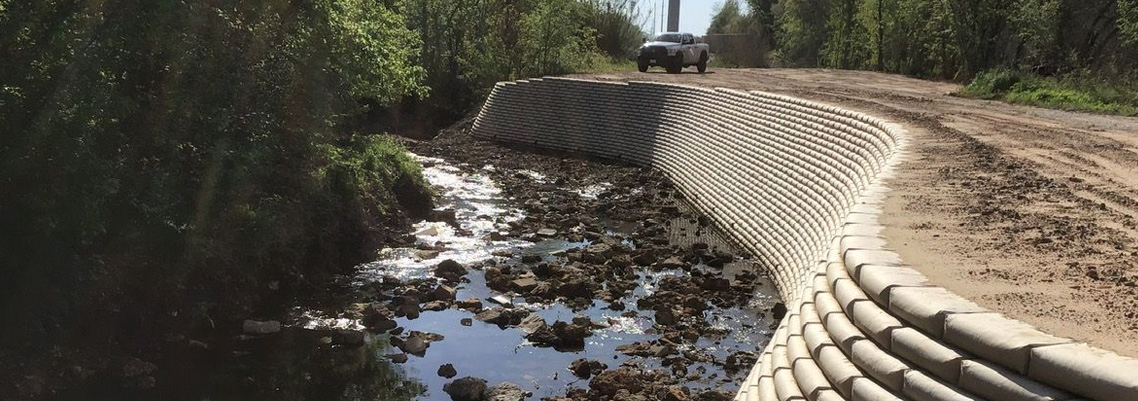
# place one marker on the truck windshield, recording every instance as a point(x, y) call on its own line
point(667, 37)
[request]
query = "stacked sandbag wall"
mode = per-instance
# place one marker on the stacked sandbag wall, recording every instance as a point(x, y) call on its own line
point(797, 184)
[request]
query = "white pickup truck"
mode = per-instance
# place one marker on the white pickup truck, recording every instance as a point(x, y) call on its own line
point(673, 51)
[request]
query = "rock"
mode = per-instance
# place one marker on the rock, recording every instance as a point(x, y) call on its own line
point(524, 285)
point(466, 322)
point(410, 310)
point(426, 254)
point(436, 305)
point(712, 395)
point(450, 270)
point(502, 300)
point(740, 360)
point(447, 371)
point(348, 338)
point(506, 392)
point(584, 368)
point(673, 262)
point(609, 382)
point(428, 232)
point(547, 232)
point(542, 290)
point(676, 393)
point(716, 284)
point(259, 327)
point(466, 389)
point(446, 216)
point(470, 304)
point(377, 318)
point(415, 346)
point(397, 358)
point(531, 258)
point(502, 317)
point(576, 288)
point(532, 324)
point(620, 261)
point(665, 317)
point(645, 258)
point(602, 250)
point(561, 336)
point(645, 349)
point(443, 293)
point(779, 311)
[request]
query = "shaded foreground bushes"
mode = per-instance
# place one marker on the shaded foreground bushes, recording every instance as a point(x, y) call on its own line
point(169, 165)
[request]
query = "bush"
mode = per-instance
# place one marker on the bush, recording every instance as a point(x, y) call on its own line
point(160, 171)
point(1076, 91)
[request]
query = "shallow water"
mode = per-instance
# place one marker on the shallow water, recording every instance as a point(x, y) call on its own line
point(503, 355)
point(301, 362)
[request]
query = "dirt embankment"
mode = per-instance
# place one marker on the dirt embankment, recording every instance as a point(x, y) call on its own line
point(1030, 212)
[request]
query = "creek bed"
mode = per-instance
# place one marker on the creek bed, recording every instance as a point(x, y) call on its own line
point(501, 353)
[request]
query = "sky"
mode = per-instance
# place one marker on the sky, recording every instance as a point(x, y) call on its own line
point(695, 15)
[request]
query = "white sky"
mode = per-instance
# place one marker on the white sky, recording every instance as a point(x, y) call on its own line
point(695, 15)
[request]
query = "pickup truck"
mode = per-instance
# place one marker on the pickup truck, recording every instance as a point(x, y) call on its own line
point(673, 51)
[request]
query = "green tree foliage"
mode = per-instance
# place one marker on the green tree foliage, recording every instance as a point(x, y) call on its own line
point(159, 153)
point(956, 39)
point(469, 45)
point(1128, 21)
point(728, 18)
point(802, 31)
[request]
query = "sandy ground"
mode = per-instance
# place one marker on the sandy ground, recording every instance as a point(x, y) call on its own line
point(1027, 211)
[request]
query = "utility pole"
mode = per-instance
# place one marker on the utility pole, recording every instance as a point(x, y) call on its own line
point(673, 15)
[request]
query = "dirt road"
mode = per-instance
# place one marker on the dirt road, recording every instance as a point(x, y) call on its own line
point(1027, 211)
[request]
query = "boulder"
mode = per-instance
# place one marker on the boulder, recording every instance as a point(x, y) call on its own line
point(414, 346)
point(397, 358)
point(532, 324)
point(444, 293)
point(466, 389)
point(377, 318)
point(502, 317)
point(506, 392)
point(676, 393)
point(447, 371)
point(609, 382)
point(524, 284)
point(470, 304)
point(450, 270)
point(562, 336)
point(585, 368)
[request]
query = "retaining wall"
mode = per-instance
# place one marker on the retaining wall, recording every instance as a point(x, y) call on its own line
point(796, 183)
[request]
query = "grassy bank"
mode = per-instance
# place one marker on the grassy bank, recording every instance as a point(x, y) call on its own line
point(1071, 92)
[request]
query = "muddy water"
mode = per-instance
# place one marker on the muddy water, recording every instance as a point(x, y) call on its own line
point(497, 354)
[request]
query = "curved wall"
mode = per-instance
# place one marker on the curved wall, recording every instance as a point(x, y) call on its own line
point(796, 184)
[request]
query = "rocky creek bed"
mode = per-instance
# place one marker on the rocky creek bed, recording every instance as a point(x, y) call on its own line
point(564, 279)
point(539, 276)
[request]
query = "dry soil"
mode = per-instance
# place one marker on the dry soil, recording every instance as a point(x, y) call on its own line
point(1027, 211)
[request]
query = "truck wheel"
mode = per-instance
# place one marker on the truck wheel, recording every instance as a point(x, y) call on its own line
point(702, 66)
point(642, 65)
point(677, 64)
